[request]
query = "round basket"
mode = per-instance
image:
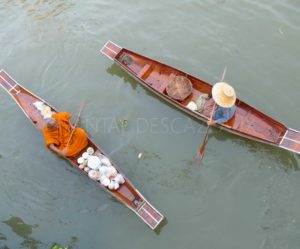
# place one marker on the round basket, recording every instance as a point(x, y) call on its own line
point(179, 87)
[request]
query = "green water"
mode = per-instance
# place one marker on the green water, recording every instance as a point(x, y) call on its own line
point(245, 195)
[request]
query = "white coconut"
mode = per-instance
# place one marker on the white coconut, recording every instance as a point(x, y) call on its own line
point(114, 172)
point(80, 160)
point(105, 161)
point(102, 170)
point(90, 150)
point(93, 162)
point(46, 112)
point(94, 174)
point(47, 115)
point(119, 178)
point(39, 105)
point(111, 185)
point(192, 106)
point(116, 185)
point(104, 181)
point(101, 156)
point(85, 155)
point(111, 172)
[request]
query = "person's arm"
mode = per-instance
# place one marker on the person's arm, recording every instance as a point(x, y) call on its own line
point(211, 122)
point(226, 115)
point(221, 116)
point(57, 151)
point(221, 120)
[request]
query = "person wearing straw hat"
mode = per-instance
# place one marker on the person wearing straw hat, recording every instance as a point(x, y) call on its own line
point(224, 96)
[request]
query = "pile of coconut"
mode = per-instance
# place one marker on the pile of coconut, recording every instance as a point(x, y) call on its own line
point(99, 168)
point(44, 109)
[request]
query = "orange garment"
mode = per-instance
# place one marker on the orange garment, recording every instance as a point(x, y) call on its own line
point(59, 137)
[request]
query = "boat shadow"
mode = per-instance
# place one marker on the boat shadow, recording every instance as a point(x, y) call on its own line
point(163, 223)
point(287, 159)
point(116, 70)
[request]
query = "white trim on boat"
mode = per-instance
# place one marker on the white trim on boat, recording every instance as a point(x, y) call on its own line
point(150, 214)
point(19, 92)
point(115, 44)
point(11, 87)
point(295, 141)
point(112, 50)
point(294, 130)
point(150, 205)
point(106, 47)
point(284, 136)
point(146, 202)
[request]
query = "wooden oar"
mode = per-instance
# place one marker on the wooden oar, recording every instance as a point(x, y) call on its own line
point(201, 149)
point(75, 125)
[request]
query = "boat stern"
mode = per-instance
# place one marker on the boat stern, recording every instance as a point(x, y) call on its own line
point(110, 50)
point(291, 140)
point(148, 213)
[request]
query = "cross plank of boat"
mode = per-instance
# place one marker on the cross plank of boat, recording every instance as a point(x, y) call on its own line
point(126, 193)
point(247, 122)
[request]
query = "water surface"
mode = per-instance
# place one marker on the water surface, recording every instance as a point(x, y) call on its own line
point(245, 195)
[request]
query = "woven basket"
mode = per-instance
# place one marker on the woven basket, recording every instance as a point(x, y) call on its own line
point(179, 87)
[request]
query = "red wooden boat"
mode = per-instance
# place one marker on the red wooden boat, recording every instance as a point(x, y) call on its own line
point(247, 122)
point(126, 193)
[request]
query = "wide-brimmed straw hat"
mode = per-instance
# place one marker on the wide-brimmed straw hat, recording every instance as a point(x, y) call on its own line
point(223, 94)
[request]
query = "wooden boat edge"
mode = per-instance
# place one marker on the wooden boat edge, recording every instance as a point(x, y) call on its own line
point(97, 146)
point(197, 116)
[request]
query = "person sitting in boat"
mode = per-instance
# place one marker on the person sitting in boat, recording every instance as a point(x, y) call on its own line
point(57, 132)
point(224, 97)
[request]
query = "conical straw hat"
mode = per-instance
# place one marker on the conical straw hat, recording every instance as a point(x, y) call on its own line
point(223, 94)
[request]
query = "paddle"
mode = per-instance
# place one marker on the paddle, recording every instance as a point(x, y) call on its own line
point(75, 125)
point(201, 149)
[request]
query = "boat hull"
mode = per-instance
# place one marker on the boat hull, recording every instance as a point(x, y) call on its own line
point(247, 122)
point(127, 193)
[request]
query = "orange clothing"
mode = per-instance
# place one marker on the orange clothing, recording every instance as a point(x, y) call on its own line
point(59, 137)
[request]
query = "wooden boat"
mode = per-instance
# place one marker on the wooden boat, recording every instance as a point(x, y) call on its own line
point(126, 193)
point(247, 122)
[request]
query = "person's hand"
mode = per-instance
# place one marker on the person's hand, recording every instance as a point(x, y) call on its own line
point(63, 152)
point(211, 122)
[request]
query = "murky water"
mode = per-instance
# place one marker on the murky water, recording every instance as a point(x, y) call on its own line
point(245, 195)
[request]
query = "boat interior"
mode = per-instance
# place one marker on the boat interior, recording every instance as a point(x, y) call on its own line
point(126, 192)
point(246, 121)
point(26, 100)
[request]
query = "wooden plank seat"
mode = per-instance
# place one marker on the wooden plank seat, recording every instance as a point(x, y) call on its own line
point(166, 82)
point(145, 71)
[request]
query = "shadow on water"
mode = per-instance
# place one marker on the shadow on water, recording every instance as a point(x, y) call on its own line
point(287, 159)
point(161, 225)
point(2, 237)
point(24, 231)
point(114, 69)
